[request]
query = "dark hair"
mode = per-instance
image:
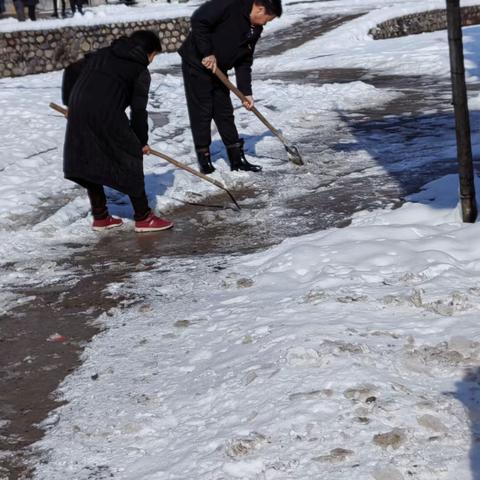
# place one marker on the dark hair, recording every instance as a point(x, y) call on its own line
point(148, 40)
point(272, 7)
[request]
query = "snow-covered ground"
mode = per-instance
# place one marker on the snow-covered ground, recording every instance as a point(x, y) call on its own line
point(349, 353)
point(342, 354)
point(103, 14)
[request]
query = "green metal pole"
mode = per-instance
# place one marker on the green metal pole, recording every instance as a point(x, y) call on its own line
point(462, 119)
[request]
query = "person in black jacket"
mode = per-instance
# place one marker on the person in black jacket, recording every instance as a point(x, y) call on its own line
point(223, 35)
point(102, 146)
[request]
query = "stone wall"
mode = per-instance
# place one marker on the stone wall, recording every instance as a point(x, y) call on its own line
point(422, 22)
point(39, 51)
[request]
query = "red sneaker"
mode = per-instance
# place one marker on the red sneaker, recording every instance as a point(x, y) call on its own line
point(106, 223)
point(152, 224)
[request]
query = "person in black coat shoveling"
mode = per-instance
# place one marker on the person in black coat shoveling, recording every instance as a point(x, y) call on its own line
point(223, 35)
point(102, 146)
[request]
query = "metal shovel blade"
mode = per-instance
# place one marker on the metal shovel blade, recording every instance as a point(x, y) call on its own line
point(294, 155)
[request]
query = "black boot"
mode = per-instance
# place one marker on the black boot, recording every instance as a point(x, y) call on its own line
point(205, 161)
point(236, 155)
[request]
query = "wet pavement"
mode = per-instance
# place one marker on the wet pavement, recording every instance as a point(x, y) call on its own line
point(35, 361)
point(372, 158)
point(300, 33)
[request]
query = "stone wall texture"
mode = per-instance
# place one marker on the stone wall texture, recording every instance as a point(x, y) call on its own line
point(39, 51)
point(422, 22)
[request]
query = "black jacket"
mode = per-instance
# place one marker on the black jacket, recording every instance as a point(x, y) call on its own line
point(222, 28)
point(101, 144)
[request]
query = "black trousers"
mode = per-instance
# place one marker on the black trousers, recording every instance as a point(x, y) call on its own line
point(76, 5)
point(20, 10)
point(208, 99)
point(55, 7)
point(98, 201)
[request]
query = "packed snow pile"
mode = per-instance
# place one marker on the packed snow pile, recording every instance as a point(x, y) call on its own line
point(346, 353)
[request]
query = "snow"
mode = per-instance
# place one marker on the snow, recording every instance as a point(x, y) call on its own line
point(101, 15)
point(346, 349)
point(347, 353)
point(350, 45)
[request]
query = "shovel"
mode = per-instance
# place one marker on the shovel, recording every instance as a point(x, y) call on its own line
point(194, 172)
point(292, 151)
point(63, 111)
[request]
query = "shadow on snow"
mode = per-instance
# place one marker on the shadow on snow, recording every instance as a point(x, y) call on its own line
point(410, 151)
point(468, 392)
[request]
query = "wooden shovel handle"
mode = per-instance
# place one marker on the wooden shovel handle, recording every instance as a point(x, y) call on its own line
point(58, 108)
point(186, 168)
point(224, 79)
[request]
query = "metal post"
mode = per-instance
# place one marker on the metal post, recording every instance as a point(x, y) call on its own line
point(462, 120)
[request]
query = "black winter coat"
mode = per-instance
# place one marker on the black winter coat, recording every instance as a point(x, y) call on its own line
point(222, 28)
point(101, 144)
